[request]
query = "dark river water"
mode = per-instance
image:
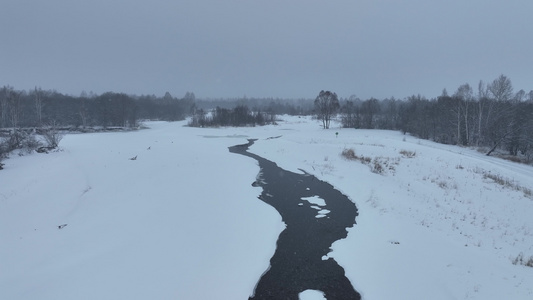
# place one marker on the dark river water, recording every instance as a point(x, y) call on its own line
point(300, 262)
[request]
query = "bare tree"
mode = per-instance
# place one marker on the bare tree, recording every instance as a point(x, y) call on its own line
point(38, 97)
point(482, 100)
point(83, 112)
point(369, 109)
point(464, 96)
point(4, 105)
point(350, 115)
point(500, 117)
point(389, 112)
point(501, 88)
point(520, 96)
point(13, 103)
point(3, 151)
point(326, 106)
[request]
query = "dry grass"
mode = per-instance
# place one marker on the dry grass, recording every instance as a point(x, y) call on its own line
point(378, 165)
point(512, 158)
point(507, 183)
point(521, 260)
point(407, 153)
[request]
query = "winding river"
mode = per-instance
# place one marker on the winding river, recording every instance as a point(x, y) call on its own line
point(316, 215)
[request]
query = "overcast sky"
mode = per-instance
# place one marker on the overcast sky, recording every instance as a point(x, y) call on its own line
point(287, 49)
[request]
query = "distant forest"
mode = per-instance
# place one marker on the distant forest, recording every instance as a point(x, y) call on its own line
point(492, 116)
point(41, 108)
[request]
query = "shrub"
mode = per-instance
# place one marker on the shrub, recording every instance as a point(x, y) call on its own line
point(52, 137)
point(31, 143)
point(3, 152)
point(349, 154)
point(14, 140)
point(408, 154)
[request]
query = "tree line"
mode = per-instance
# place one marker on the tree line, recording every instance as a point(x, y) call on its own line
point(38, 107)
point(42, 108)
point(492, 116)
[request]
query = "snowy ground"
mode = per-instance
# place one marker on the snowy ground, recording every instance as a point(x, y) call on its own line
point(183, 221)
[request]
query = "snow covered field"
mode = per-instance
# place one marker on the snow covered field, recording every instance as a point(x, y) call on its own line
point(182, 220)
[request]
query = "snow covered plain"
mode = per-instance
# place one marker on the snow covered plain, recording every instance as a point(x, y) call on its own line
point(182, 220)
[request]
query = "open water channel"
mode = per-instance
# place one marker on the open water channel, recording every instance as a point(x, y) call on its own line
point(316, 215)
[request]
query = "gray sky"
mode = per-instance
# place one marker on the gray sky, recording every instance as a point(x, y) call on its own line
point(288, 49)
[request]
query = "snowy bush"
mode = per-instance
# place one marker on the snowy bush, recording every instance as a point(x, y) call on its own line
point(30, 143)
point(14, 140)
point(18, 139)
point(52, 137)
point(27, 141)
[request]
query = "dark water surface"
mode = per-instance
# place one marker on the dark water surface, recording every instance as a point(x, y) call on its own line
point(299, 262)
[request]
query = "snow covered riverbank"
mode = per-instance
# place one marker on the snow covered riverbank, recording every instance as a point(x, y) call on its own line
point(183, 221)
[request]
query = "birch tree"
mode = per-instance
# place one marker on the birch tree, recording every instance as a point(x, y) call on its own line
point(464, 96)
